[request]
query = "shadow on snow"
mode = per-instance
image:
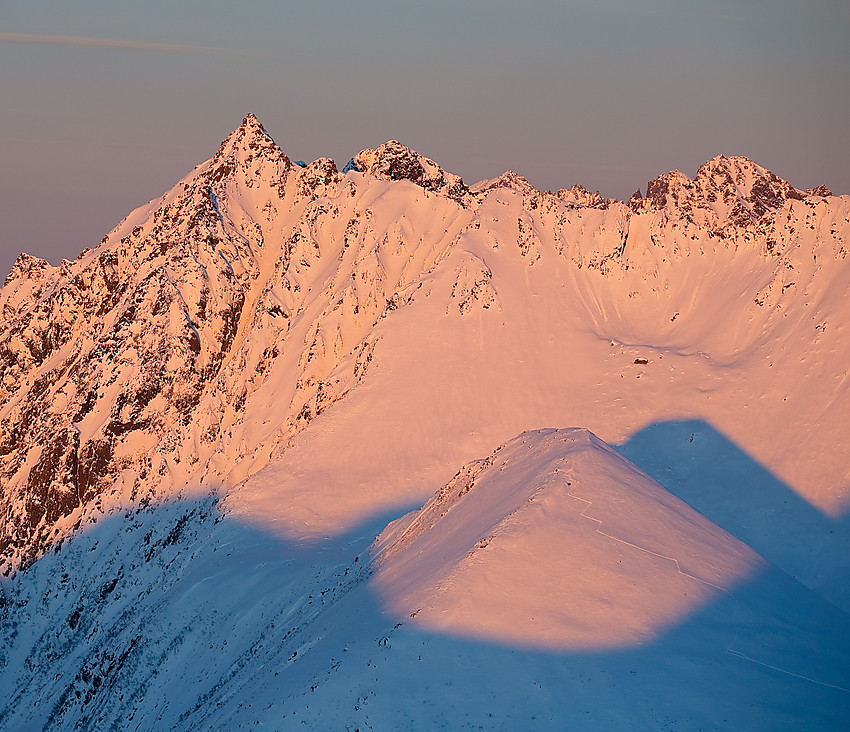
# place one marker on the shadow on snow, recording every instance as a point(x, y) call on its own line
point(698, 464)
point(175, 616)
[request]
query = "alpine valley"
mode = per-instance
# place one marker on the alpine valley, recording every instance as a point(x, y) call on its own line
point(603, 447)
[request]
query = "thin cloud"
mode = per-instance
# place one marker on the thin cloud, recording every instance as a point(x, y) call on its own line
point(107, 43)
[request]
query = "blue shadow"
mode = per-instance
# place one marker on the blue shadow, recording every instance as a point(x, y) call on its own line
point(698, 464)
point(176, 616)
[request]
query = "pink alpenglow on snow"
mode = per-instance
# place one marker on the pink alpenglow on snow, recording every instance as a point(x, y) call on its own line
point(556, 541)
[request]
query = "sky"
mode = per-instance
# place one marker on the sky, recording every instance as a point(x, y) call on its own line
point(107, 103)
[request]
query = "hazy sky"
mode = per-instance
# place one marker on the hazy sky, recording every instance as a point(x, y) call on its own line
point(107, 103)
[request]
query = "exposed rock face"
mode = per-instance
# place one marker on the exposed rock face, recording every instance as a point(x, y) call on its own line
point(105, 355)
point(735, 190)
point(821, 191)
point(583, 197)
point(395, 161)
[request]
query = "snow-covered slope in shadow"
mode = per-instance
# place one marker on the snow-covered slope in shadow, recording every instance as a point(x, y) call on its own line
point(698, 464)
point(176, 616)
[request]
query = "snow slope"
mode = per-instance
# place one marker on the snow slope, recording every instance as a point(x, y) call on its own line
point(556, 541)
point(522, 325)
point(532, 608)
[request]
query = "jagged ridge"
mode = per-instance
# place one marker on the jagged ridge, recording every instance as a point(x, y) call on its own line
point(148, 363)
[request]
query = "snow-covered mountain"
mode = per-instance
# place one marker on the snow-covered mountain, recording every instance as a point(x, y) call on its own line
point(228, 398)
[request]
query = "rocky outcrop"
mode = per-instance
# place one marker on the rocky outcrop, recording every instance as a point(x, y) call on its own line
point(395, 161)
point(734, 189)
point(580, 196)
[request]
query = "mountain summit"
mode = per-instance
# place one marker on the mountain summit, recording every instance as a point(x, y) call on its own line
point(731, 191)
point(395, 161)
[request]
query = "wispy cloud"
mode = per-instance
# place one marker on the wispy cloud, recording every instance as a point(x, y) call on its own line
point(107, 43)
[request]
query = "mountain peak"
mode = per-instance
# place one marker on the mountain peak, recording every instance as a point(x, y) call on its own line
point(735, 188)
point(739, 178)
point(26, 266)
point(508, 179)
point(739, 171)
point(580, 196)
point(395, 161)
point(248, 139)
point(251, 120)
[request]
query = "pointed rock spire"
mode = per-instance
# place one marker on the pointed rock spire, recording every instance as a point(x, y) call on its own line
point(247, 140)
